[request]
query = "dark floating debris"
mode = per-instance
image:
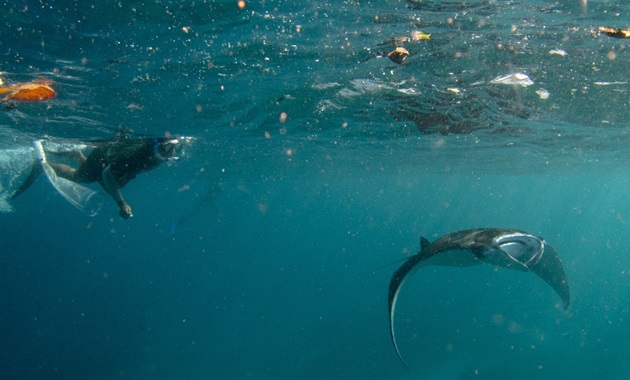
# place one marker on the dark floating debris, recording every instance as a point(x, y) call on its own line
point(399, 55)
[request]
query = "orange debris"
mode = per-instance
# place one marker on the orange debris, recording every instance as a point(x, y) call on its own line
point(28, 92)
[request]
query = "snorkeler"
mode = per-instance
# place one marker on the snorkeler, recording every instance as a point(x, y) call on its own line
point(113, 164)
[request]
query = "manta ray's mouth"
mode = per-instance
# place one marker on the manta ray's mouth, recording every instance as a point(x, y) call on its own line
point(525, 249)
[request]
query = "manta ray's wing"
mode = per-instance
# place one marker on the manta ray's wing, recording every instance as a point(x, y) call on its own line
point(550, 270)
point(428, 252)
point(397, 281)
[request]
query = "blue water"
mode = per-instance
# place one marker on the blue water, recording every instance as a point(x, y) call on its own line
point(262, 252)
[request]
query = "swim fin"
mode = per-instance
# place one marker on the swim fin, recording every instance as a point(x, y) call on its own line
point(81, 197)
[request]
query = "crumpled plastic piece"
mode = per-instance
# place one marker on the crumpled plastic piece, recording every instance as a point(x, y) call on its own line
point(517, 79)
point(399, 55)
point(543, 94)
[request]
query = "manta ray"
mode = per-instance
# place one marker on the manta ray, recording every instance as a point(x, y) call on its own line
point(507, 248)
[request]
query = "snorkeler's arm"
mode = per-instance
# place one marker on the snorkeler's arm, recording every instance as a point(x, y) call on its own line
point(110, 184)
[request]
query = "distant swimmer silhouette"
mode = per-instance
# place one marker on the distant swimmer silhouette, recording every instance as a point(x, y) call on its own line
point(502, 247)
point(206, 203)
point(112, 163)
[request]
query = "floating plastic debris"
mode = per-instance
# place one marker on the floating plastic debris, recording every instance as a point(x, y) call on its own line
point(543, 94)
point(418, 35)
point(609, 83)
point(399, 55)
point(614, 32)
point(28, 92)
point(519, 79)
point(348, 93)
point(407, 91)
point(325, 86)
point(368, 85)
point(559, 52)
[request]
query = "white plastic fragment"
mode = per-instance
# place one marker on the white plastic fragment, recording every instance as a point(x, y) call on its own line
point(543, 94)
point(559, 52)
point(407, 91)
point(519, 79)
point(325, 86)
point(609, 83)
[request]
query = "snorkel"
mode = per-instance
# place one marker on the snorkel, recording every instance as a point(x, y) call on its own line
point(154, 147)
point(165, 149)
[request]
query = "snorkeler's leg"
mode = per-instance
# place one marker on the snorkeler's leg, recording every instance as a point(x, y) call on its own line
point(63, 170)
point(79, 157)
point(75, 154)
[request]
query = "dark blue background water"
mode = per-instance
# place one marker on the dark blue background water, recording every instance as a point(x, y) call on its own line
point(280, 275)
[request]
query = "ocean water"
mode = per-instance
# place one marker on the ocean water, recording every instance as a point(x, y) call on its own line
point(316, 164)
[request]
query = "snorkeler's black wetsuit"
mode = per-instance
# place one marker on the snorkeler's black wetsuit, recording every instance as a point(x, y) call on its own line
point(126, 159)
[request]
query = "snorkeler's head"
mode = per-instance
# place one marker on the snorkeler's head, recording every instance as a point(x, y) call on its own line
point(166, 147)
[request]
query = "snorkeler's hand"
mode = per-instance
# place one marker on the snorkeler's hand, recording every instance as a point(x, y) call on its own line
point(125, 211)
